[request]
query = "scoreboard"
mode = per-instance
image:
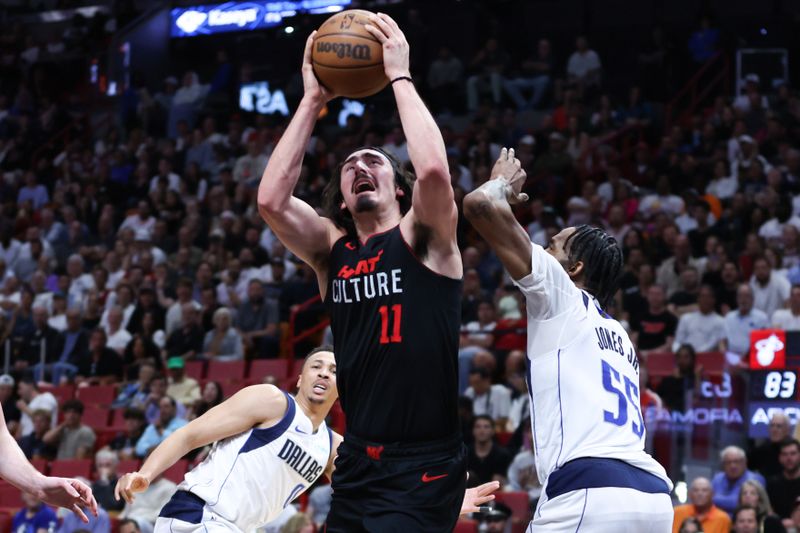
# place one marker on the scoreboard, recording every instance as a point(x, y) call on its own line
point(775, 365)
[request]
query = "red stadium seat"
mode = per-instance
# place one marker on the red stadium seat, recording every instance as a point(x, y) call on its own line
point(10, 497)
point(229, 388)
point(175, 472)
point(62, 392)
point(195, 369)
point(712, 362)
point(96, 417)
point(97, 395)
point(5, 522)
point(660, 364)
point(466, 525)
point(223, 371)
point(127, 466)
point(40, 465)
point(117, 422)
point(297, 367)
point(259, 368)
point(503, 437)
point(71, 468)
point(518, 503)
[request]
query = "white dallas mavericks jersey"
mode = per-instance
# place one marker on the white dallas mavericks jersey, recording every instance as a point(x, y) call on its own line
point(248, 479)
point(583, 375)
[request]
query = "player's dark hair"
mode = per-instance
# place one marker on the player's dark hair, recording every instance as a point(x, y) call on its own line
point(323, 348)
point(332, 197)
point(602, 260)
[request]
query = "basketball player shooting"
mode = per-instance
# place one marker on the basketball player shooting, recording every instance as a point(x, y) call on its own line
point(269, 448)
point(389, 271)
point(582, 371)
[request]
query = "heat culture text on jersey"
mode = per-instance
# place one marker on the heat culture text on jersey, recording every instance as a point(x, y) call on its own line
point(610, 340)
point(300, 461)
point(353, 284)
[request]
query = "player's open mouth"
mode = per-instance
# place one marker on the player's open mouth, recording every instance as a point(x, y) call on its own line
point(364, 184)
point(320, 387)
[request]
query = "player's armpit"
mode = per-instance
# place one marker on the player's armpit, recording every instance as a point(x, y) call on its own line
point(490, 213)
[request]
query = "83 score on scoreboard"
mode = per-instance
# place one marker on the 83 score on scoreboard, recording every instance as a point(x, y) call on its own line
point(772, 391)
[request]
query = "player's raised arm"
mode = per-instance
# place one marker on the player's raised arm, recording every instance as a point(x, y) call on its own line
point(295, 222)
point(488, 208)
point(432, 203)
point(247, 408)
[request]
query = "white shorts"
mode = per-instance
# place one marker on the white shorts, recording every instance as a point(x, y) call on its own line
point(210, 523)
point(604, 510)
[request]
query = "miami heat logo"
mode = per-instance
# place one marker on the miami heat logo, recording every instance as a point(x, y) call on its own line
point(766, 348)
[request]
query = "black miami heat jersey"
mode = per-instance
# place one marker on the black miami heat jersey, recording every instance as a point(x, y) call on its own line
point(395, 329)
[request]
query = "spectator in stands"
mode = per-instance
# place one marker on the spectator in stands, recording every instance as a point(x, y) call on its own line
point(141, 350)
point(704, 41)
point(789, 319)
point(728, 483)
point(101, 365)
point(129, 525)
point(691, 525)
point(493, 400)
point(728, 287)
point(182, 388)
point(476, 336)
point(156, 432)
point(668, 274)
point(135, 393)
point(496, 520)
point(80, 283)
point(249, 167)
point(741, 321)
point(147, 304)
point(522, 470)
point(520, 400)
point(583, 67)
point(713, 519)
point(704, 329)
point(784, 488)
point(770, 289)
point(488, 66)
point(745, 520)
point(8, 401)
point(319, 504)
point(654, 329)
point(73, 439)
point(211, 397)
point(684, 300)
point(33, 192)
point(30, 400)
point(223, 343)
point(33, 444)
point(258, 321)
point(673, 389)
point(34, 517)
point(444, 80)
point(42, 340)
point(535, 73)
point(487, 461)
point(125, 443)
point(70, 523)
point(186, 341)
point(117, 337)
point(145, 508)
point(753, 494)
point(106, 475)
point(174, 315)
point(793, 523)
point(764, 458)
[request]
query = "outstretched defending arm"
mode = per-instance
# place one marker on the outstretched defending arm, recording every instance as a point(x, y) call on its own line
point(61, 492)
point(488, 208)
point(432, 203)
point(295, 222)
point(251, 406)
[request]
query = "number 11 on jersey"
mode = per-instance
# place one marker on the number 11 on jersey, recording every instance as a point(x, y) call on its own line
point(396, 318)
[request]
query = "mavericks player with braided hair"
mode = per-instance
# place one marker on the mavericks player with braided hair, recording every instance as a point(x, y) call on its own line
point(582, 371)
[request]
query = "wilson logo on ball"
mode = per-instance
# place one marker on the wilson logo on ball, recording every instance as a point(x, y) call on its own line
point(342, 50)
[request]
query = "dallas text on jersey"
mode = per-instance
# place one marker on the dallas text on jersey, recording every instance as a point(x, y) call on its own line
point(300, 461)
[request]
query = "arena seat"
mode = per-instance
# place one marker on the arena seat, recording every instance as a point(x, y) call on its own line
point(259, 368)
point(97, 395)
point(223, 371)
point(62, 392)
point(117, 422)
point(229, 388)
point(5, 521)
point(466, 525)
point(40, 465)
point(503, 437)
point(660, 364)
point(10, 497)
point(712, 362)
point(96, 417)
point(126, 466)
point(518, 502)
point(175, 472)
point(195, 369)
point(71, 468)
point(297, 366)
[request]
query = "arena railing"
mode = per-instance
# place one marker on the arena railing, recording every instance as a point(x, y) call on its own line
point(675, 110)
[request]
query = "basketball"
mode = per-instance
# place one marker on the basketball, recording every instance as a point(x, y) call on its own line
point(347, 59)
